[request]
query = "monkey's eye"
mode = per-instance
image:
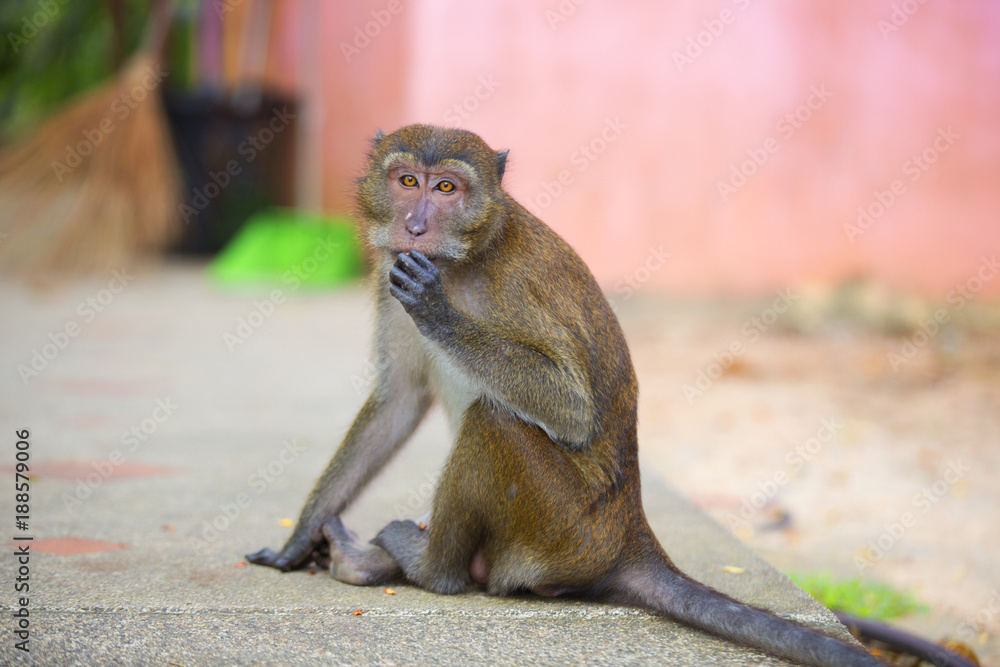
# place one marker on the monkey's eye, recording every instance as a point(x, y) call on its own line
point(446, 186)
point(408, 180)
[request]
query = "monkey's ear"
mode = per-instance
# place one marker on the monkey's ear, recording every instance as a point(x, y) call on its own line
point(379, 136)
point(501, 163)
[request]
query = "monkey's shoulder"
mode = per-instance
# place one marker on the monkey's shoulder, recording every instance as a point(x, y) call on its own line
point(538, 271)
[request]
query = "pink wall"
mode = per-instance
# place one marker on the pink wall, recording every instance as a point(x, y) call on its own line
point(545, 79)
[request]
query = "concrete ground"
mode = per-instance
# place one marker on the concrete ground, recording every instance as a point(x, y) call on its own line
point(175, 426)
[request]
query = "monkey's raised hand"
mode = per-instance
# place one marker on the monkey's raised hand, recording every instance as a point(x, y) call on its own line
point(416, 283)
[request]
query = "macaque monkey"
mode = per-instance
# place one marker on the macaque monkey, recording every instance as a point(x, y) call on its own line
point(495, 316)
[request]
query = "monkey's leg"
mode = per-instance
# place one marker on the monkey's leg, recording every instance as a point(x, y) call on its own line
point(406, 544)
point(353, 563)
point(423, 559)
point(381, 428)
point(439, 557)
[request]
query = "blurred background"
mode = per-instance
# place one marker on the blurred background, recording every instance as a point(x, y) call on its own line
point(794, 208)
point(757, 143)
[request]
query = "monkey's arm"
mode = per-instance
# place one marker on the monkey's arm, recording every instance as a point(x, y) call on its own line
point(539, 379)
point(382, 426)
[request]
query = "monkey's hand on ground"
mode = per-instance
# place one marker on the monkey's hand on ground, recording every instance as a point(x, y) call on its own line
point(295, 554)
point(416, 283)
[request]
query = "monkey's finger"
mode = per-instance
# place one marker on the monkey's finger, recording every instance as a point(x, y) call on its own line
point(398, 278)
point(404, 298)
point(411, 264)
point(290, 558)
point(421, 260)
point(407, 264)
point(264, 557)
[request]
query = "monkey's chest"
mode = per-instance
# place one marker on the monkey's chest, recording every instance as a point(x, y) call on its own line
point(451, 385)
point(446, 379)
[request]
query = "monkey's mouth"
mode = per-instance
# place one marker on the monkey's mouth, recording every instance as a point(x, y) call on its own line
point(432, 258)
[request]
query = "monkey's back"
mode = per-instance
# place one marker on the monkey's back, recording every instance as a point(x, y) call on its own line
point(537, 267)
point(573, 509)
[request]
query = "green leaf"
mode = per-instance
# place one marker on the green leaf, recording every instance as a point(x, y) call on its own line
point(868, 599)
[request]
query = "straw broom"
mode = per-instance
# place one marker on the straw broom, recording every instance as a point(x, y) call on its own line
point(96, 187)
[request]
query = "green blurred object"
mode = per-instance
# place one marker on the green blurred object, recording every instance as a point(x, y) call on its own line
point(868, 599)
point(291, 248)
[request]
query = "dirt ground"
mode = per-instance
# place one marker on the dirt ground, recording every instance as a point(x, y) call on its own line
point(851, 441)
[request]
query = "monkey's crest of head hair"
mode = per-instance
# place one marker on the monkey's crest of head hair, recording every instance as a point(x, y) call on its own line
point(432, 146)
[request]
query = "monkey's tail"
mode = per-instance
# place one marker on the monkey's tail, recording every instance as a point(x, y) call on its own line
point(658, 585)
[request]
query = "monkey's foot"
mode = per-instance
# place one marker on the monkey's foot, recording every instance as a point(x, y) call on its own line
point(404, 540)
point(407, 544)
point(352, 563)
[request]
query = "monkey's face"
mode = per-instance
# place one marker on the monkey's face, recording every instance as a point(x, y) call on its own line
point(430, 189)
point(430, 210)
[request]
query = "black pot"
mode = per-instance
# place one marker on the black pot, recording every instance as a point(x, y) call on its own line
point(237, 156)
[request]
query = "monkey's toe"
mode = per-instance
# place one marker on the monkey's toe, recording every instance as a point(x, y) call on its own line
point(336, 533)
point(350, 562)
